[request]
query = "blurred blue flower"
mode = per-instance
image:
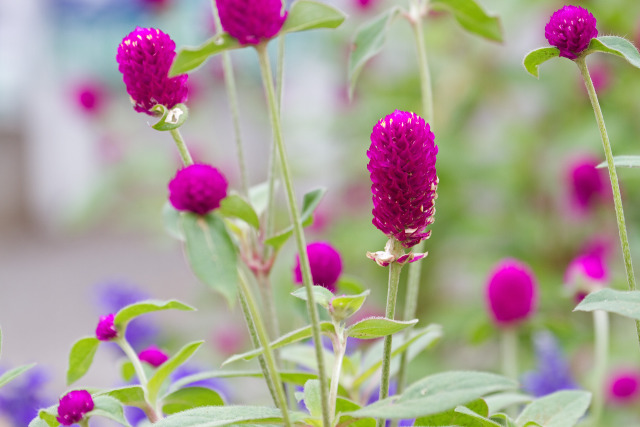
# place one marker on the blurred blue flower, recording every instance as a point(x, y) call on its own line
point(112, 296)
point(21, 398)
point(552, 373)
point(393, 387)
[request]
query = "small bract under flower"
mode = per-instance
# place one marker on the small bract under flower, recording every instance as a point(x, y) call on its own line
point(251, 21)
point(570, 29)
point(326, 265)
point(73, 406)
point(197, 188)
point(106, 330)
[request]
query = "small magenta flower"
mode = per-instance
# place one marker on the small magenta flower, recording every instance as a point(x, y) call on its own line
point(144, 59)
point(511, 292)
point(153, 356)
point(326, 265)
point(570, 29)
point(402, 165)
point(587, 183)
point(198, 188)
point(251, 21)
point(73, 406)
point(587, 272)
point(106, 330)
point(623, 387)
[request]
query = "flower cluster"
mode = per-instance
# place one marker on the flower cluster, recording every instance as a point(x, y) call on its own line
point(73, 406)
point(511, 292)
point(570, 29)
point(106, 330)
point(251, 21)
point(197, 188)
point(325, 263)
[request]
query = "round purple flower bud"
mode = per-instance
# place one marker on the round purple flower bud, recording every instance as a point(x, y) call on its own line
point(402, 165)
point(511, 292)
point(106, 330)
point(144, 59)
point(251, 21)
point(570, 29)
point(198, 188)
point(587, 183)
point(326, 265)
point(153, 356)
point(623, 387)
point(73, 406)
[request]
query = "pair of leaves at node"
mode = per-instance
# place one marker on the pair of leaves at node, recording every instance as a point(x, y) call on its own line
point(304, 15)
point(340, 307)
point(370, 38)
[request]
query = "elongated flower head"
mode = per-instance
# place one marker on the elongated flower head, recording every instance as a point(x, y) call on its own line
point(153, 356)
point(402, 165)
point(106, 330)
point(326, 265)
point(144, 59)
point(623, 387)
point(587, 183)
point(198, 188)
point(251, 21)
point(570, 29)
point(511, 292)
point(73, 406)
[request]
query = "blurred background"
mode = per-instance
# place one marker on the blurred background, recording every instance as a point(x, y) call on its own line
point(83, 180)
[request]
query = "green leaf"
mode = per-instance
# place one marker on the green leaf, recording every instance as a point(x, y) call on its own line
point(39, 422)
point(498, 402)
point(189, 398)
point(289, 338)
point(504, 420)
point(190, 58)
point(368, 42)
point(310, 202)
point(127, 371)
point(167, 368)
point(322, 295)
point(472, 18)
point(616, 46)
point(344, 306)
point(81, 358)
point(346, 405)
point(437, 393)
point(48, 415)
point(130, 312)
point(535, 58)
point(237, 207)
point(350, 285)
point(623, 162)
point(108, 407)
point(171, 118)
point(376, 327)
point(308, 15)
point(129, 395)
point(471, 415)
point(171, 219)
point(560, 409)
point(211, 253)
point(624, 303)
point(259, 196)
point(213, 416)
point(14, 373)
point(312, 399)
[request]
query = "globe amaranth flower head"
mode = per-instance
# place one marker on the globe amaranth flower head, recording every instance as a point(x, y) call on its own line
point(402, 165)
point(570, 29)
point(153, 356)
point(251, 21)
point(198, 188)
point(587, 183)
point(511, 292)
point(73, 406)
point(326, 265)
point(586, 273)
point(623, 387)
point(106, 330)
point(144, 59)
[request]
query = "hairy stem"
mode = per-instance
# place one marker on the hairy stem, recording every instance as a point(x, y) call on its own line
point(294, 212)
point(182, 147)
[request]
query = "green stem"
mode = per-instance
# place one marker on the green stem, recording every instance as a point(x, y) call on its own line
point(274, 114)
point(266, 292)
point(601, 351)
point(509, 352)
point(84, 422)
point(613, 176)
point(182, 147)
point(392, 295)
point(339, 347)
point(268, 351)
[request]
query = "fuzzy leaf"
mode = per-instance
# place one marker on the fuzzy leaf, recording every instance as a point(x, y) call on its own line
point(259, 196)
point(312, 399)
point(190, 58)
point(473, 18)
point(81, 358)
point(108, 407)
point(499, 401)
point(130, 312)
point(623, 162)
point(167, 368)
point(345, 306)
point(211, 253)
point(376, 327)
point(189, 398)
point(171, 219)
point(322, 296)
point(14, 373)
point(129, 395)
point(213, 416)
point(536, 57)
point(560, 409)
point(308, 15)
point(616, 46)
point(237, 207)
point(624, 303)
point(472, 414)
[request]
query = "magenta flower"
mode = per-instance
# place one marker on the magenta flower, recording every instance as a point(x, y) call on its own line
point(570, 29)
point(73, 406)
point(153, 356)
point(198, 188)
point(402, 165)
point(587, 183)
point(106, 330)
point(586, 273)
point(90, 97)
point(623, 387)
point(511, 292)
point(251, 21)
point(144, 59)
point(326, 265)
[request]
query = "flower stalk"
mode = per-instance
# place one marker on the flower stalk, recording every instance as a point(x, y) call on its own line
point(339, 348)
point(187, 160)
point(601, 353)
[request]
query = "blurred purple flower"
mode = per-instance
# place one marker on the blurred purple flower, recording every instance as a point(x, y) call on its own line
point(325, 263)
point(91, 96)
point(251, 21)
point(586, 273)
point(511, 292)
point(73, 406)
point(570, 29)
point(21, 398)
point(153, 356)
point(216, 384)
point(552, 370)
point(134, 415)
point(623, 387)
point(587, 183)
